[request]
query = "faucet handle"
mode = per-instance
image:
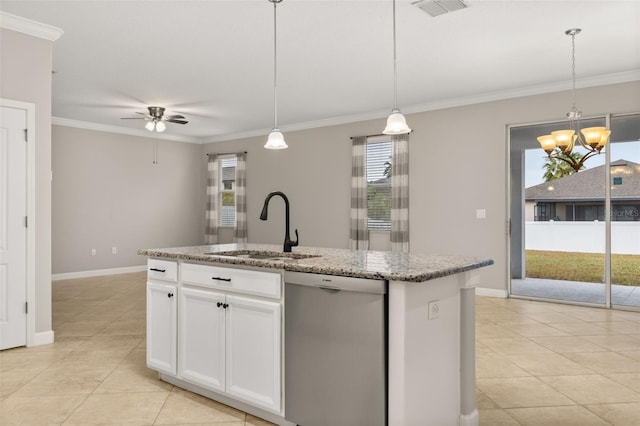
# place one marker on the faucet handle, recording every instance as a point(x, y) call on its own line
point(297, 239)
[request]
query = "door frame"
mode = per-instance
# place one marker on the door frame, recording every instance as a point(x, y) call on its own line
point(30, 109)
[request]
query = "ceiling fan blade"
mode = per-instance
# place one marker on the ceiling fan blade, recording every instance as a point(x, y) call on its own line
point(172, 117)
point(133, 118)
point(177, 121)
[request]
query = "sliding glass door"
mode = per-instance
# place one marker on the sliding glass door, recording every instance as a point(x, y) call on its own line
point(568, 241)
point(625, 211)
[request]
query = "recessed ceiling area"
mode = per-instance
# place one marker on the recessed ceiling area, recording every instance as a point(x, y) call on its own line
point(212, 61)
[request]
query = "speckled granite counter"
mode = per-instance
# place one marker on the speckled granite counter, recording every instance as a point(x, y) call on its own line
point(349, 263)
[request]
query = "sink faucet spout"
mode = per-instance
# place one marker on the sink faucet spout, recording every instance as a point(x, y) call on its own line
point(288, 243)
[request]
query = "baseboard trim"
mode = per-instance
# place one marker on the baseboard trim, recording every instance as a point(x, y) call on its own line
point(98, 273)
point(491, 292)
point(42, 338)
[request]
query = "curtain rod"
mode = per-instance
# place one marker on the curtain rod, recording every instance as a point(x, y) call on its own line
point(372, 136)
point(225, 153)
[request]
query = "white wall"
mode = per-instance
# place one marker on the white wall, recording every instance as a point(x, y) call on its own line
point(582, 237)
point(458, 163)
point(25, 75)
point(107, 192)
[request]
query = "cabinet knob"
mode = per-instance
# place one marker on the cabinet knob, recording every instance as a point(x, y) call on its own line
point(170, 295)
point(224, 305)
point(219, 304)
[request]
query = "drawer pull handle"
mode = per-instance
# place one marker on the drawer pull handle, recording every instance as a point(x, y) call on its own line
point(158, 270)
point(221, 279)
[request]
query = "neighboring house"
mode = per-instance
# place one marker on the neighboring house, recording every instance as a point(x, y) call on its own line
point(580, 196)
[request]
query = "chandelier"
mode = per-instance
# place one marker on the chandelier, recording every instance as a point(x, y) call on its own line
point(560, 144)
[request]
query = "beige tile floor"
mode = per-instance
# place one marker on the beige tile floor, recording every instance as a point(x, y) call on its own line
point(537, 364)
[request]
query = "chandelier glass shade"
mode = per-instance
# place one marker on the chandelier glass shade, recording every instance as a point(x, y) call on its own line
point(561, 143)
point(396, 123)
point(275, 139)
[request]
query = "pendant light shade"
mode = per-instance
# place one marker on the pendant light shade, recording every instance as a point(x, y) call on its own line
point(275, 139)
point(396, 123)
point(160, 126)
point(150, 126)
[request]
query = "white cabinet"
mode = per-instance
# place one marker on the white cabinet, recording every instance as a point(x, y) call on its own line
point(253, 351)
point(161, 327)
point(231, 344)
point(202, 324)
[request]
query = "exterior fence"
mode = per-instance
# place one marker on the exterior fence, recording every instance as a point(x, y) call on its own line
point(582, 237)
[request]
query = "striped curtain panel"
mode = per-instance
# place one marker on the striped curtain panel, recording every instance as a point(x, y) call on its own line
point(359, 234)
point(400, 194)
point(240, 235)
point(211, 215)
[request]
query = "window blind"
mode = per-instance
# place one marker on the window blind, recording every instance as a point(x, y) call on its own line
point(379, 185)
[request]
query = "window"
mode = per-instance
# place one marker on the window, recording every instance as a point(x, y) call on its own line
point(379, 185)
point(227, 187)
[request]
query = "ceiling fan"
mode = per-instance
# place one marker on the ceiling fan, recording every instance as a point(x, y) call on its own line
point(156, 119)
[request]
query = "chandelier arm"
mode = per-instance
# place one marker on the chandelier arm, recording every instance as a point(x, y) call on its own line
point(567, 159)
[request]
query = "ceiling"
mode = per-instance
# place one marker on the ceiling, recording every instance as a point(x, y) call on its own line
point(212, 61)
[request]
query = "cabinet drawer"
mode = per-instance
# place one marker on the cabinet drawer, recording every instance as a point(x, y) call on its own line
point(266, 284)
point(164, 270)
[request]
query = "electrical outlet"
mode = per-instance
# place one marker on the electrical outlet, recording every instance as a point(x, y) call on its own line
point(94, 252)
point(481, 214)
point(114, 250)
point(434, 309)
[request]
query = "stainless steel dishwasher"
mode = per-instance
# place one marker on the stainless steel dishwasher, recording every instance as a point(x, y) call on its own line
point(335, 350)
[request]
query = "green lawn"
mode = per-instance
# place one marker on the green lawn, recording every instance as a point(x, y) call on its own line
point(585, 267)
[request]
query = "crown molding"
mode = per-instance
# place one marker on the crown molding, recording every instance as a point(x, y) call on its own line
point(541, 89)
point(30, 27)
point(66, 122)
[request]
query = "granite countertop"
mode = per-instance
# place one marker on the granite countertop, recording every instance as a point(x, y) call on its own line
point(349, 263)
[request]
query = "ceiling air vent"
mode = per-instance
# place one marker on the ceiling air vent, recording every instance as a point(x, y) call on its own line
point(439, 7)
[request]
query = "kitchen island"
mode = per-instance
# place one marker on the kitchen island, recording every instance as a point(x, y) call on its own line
point(236, 292)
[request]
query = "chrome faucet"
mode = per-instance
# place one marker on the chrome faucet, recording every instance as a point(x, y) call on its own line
point(263, 216)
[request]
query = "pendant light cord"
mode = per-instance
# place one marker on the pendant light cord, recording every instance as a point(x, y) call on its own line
point(395, 67)
point(275, 68)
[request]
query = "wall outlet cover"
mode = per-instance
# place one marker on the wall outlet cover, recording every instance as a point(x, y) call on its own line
point(434, 309)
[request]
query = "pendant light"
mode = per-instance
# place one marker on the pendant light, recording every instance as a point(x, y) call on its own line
point(275, 139)
point(560, 144)
point(396, 123)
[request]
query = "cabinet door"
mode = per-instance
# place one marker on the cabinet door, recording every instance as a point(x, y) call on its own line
point(253, 351)
point(161, 327)
point(202, 320)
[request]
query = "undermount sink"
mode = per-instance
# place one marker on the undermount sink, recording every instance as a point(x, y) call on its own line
point(265, 255)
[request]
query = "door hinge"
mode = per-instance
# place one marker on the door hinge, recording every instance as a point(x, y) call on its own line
point(26, 307)
point(26, 221)
point(26, 135)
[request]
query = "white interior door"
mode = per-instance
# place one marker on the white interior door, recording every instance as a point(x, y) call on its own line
point(13, 230)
